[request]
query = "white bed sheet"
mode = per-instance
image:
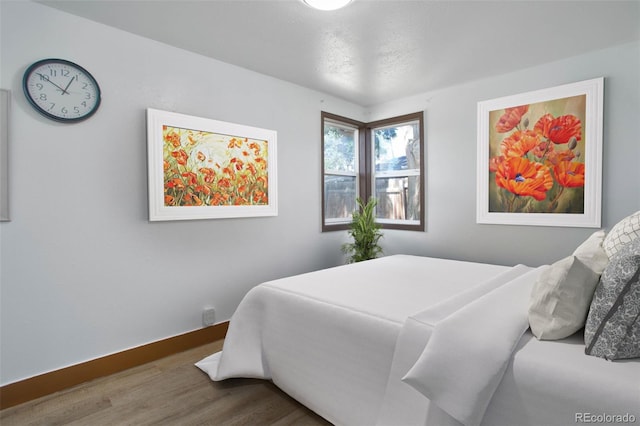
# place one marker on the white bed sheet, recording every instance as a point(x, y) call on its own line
point(552, 382)
point(328, 338)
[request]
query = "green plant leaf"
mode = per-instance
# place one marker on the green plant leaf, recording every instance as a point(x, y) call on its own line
point(365, 233)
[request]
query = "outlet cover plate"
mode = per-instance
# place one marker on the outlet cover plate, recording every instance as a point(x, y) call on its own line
point(208, 317)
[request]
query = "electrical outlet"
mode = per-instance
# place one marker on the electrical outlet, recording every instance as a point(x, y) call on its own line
point(208, 317)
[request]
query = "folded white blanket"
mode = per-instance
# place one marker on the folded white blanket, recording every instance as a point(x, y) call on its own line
point(416, 332)
point(468, 351)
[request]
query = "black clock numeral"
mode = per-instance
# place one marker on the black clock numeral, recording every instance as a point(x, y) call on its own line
point(84, 103)
point(76, 110)
point(43, 96)
point(53, 72)
point(84, 86)
point(52, 105)
point(40, 86)
point(87, 96)
point(65, 73)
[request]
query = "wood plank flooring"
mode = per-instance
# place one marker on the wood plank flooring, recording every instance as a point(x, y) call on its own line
point(170, 391)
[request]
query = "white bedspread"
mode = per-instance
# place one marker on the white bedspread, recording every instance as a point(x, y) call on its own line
point(410, 347)
point(328, 338)
point(341, 340)
point(469, 350)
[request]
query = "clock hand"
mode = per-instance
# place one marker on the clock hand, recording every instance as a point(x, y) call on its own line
point(68, 84)
point(44, 77)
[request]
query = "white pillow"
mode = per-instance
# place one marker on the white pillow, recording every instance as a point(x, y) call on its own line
point(623, 232)
point(592, 254)
point(560, 299)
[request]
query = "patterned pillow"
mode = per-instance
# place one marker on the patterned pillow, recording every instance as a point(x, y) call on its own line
point(621, 234)
point(612, 330)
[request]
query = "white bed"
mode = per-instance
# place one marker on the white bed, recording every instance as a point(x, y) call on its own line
point(350, 343)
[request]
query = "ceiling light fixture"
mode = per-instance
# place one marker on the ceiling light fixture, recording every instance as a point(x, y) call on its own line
point(327, 4)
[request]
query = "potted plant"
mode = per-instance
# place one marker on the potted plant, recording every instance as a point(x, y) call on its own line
point(365, 233)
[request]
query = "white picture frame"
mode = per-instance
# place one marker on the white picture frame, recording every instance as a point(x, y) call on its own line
point(201, 168)
point(562, 185)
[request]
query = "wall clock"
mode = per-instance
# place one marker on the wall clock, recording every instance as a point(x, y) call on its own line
point(61, 90)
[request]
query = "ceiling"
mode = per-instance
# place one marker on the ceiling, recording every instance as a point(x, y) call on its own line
point(374, 51)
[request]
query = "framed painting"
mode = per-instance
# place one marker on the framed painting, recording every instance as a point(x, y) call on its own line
point(4, 155)
point(207, 169)
point(540, 157)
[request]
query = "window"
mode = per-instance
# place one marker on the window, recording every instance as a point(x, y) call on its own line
point(382, 159)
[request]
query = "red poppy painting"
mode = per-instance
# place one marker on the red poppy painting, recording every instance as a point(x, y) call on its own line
point(212, 169)
point(539, 157)
point(205, 169)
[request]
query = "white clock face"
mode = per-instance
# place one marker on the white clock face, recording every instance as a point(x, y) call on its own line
point(61, 90)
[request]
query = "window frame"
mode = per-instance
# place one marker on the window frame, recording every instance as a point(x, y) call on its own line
point(365, 176)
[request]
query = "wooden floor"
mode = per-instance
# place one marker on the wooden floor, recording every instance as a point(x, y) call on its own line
point(171, 391)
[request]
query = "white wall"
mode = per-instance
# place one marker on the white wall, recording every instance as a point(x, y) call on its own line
point(84, 274)
point(450, 127)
